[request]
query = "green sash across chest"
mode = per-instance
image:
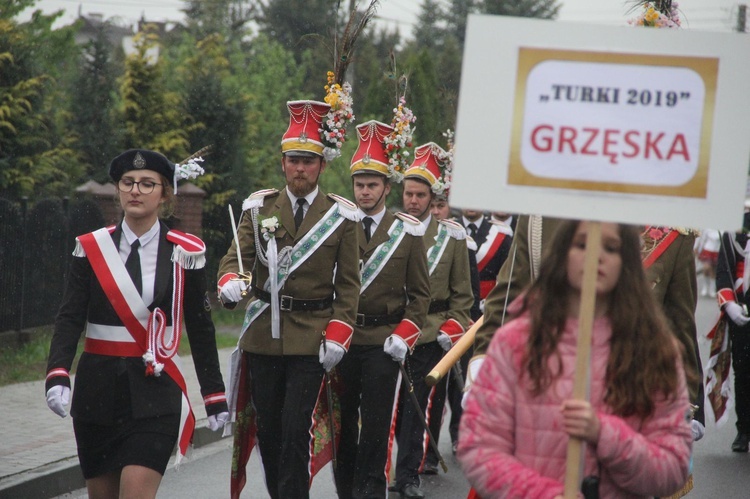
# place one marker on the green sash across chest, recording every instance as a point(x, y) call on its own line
point(382, 254)
point(435, 252)
point(291, 260)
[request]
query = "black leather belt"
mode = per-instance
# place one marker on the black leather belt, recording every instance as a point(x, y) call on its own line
point(289, 304)
point(437, 306)
point(379, 320)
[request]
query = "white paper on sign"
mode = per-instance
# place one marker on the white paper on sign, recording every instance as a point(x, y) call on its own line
point(600, 123)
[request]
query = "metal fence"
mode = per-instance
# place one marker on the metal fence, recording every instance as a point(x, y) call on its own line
point(36, 242)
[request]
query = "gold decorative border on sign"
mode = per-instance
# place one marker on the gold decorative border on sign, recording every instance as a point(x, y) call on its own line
point(707, 68)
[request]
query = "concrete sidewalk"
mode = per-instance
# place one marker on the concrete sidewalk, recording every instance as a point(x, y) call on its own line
point(38, 450)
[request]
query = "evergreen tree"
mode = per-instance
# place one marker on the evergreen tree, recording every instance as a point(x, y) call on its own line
point(271, 78)
point(308, 28)
point(428, 33)
point(36, 155)
point(424, 98)
point(540, 9)
point(93, 113)
point(374, 77)
point(448, 82)
point(228, 18)
point(292, 22)
point(456, 17)
point(154, 117)
point(218, 111)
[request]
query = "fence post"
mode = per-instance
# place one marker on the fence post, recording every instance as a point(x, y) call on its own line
point(24, 208)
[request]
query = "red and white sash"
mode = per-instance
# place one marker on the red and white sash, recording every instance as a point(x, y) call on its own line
point(113, 277)
point(487, 250)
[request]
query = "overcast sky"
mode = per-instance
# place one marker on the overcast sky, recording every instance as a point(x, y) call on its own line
point(713, 15)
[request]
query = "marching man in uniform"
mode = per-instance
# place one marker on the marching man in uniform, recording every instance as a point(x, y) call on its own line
point(732, 281)
point(301, 246)
point(394, 296)
point(493, 239)
point(448, 314)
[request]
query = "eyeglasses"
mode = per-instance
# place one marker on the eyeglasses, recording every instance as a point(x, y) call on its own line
point(144, 186)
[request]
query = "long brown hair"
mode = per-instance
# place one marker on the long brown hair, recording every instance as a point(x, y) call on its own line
point(643, 352)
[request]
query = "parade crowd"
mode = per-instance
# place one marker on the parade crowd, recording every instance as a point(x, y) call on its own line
point(346, 308)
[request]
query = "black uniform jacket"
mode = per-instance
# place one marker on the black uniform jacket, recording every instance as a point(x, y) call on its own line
point(96, 375)
point(492, 268)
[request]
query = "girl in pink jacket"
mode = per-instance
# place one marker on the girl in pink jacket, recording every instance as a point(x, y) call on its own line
point(519, 413)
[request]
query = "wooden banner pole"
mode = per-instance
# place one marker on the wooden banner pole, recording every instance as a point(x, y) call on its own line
point(583, 352)
point(454, 354)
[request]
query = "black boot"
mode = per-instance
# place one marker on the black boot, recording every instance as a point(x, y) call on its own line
point(741, 443)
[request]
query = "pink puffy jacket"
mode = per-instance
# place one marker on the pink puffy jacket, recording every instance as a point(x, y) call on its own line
point(513, 445)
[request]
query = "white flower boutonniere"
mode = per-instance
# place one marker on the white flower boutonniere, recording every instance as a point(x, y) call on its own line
point(268, 227)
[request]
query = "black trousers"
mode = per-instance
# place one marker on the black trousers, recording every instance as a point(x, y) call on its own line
point(411, 437)
point(455, 398)
point(740, 338)
point(369, 377)
point(284, 392)
point(456, 395)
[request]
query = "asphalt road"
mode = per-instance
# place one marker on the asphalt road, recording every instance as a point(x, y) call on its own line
point(718, 472)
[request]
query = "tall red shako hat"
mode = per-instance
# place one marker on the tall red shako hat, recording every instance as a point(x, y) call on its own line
point(303, 136)
point(370, 157)
point(432, 164)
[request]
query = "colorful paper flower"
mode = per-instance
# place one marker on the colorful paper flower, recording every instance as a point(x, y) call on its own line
point(397, 142)
point(333, 131)
point(658, 14)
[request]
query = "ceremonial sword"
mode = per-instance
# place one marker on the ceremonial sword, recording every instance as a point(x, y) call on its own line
point(241, 273)
point(420, 413)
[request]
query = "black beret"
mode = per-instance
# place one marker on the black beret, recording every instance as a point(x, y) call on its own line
point(141, 159)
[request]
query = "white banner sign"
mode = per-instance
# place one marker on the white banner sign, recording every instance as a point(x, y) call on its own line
point(636, 125)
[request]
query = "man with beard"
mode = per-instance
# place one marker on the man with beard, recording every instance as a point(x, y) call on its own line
point(301, 246)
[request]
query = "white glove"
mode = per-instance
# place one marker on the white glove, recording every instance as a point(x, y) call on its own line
point(474, 366)
point(231, 291)
point(736, 313)
point(330, 354)
point(445, 341)
point(57, 398)
point(216, 422)
point(396, 347)
point(698, 429)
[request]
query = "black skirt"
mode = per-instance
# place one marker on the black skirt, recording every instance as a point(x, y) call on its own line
point(145, 442)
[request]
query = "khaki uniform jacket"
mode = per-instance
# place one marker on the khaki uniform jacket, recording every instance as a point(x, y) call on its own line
point(301, 331)
point(450, 281)
point(672, 277)
point(402, 284)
